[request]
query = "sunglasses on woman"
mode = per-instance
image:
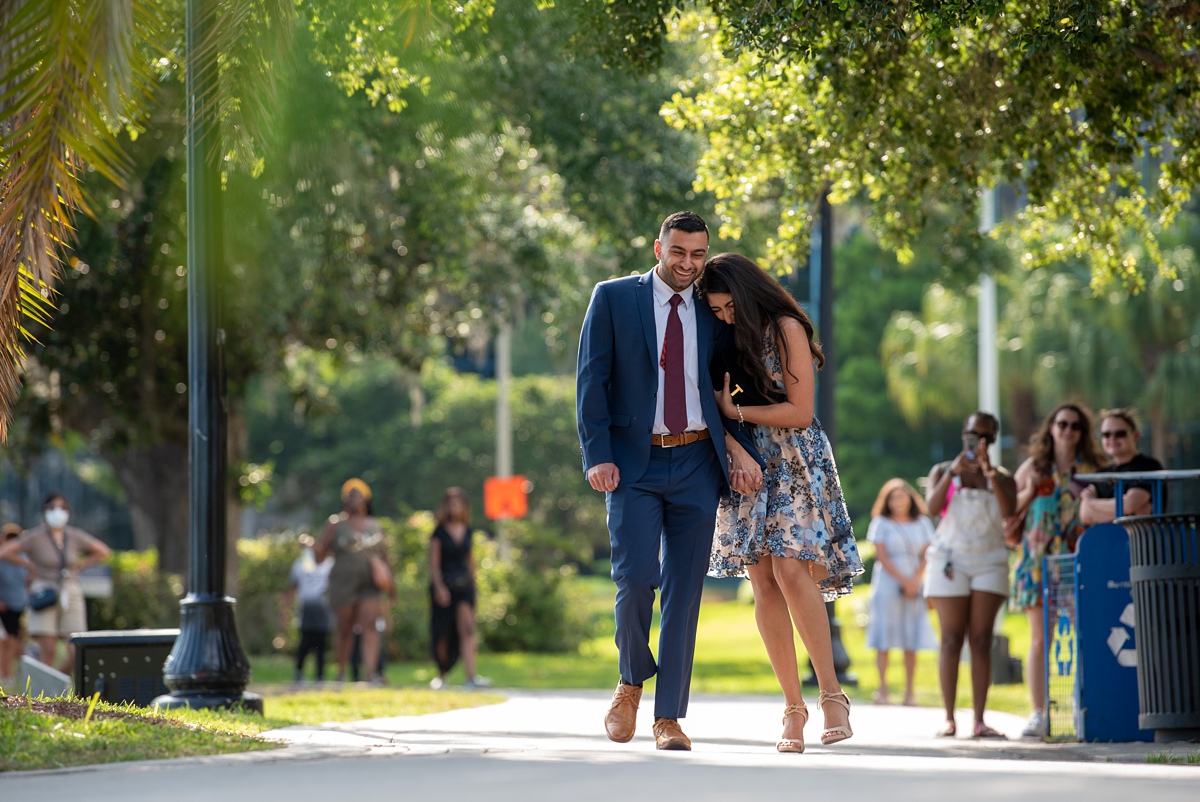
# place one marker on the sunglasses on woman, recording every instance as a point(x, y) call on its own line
point(1116, 434)
point(1074, 426)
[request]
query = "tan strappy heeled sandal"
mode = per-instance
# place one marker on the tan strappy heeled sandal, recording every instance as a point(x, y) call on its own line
point(831, 735)
point(790, 744)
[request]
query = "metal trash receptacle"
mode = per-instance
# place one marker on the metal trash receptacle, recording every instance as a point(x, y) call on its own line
point(1165, 575)
point(122, 665)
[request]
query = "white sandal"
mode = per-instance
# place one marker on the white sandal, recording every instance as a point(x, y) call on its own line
point(831, 735)
point(790, 744)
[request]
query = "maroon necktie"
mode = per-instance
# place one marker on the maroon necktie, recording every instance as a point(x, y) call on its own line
point(674, 399)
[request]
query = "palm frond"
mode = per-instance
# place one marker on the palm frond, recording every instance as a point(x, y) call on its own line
point(72, 73)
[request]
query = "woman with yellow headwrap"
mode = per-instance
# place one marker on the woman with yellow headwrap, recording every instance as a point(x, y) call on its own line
point(354, 539)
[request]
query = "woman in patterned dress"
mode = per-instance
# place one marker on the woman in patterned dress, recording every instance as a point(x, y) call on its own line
point(793, 537)
point(1048, 498)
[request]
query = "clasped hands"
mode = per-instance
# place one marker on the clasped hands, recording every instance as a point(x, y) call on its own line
point(745, 475)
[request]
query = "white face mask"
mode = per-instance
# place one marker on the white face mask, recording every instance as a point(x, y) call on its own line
point(57, 518)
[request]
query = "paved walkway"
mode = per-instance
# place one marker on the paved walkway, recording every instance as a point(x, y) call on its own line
point(551, 746)
point(571, 722)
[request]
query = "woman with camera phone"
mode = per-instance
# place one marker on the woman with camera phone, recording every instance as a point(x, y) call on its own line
point(967, 566)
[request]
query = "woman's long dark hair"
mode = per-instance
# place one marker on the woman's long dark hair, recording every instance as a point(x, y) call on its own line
point(759, 303)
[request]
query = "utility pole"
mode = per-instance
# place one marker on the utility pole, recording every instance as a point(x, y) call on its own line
point(504, 461)
point(207, 667)
point(989, 358)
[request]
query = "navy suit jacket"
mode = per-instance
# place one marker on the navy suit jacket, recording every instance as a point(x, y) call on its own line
point(617, 380)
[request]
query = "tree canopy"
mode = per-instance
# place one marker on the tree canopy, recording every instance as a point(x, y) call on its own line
point(1090, 108)
point(492, 176)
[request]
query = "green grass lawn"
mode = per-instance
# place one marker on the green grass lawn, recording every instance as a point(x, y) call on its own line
point(47, 734)
point(730, 657)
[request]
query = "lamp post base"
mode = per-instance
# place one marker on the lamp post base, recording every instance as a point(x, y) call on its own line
point(250, 702)
point(207, 667)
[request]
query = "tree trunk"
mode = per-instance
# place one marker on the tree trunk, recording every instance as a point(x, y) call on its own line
point(155, 480)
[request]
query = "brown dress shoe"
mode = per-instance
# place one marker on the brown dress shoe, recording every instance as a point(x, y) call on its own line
point(667, 735)
point(621, 719)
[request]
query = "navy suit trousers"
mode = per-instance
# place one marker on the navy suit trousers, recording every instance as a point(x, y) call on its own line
point(661, 529)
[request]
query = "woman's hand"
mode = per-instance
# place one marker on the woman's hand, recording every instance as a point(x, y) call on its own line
point(962, 464)
point(441, 595)
point(985, 464)
point(725, 401)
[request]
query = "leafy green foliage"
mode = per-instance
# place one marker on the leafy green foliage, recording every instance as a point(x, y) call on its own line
point(368, 232)
point(143, 596)
point(527, 603)
point(73, 75)
point(1088, 108)
point(1062, 337)
point(877, 437)
point(410, 438)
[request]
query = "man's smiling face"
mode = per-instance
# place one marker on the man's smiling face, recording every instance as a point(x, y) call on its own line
point(681, 256)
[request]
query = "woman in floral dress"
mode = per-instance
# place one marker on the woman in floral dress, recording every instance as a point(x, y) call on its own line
point(1048, 498)
point(793, 537)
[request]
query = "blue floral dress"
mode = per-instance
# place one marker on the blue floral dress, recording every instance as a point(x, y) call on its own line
point(799, 511)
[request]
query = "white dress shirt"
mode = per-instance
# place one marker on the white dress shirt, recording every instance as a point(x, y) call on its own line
point(691, 375)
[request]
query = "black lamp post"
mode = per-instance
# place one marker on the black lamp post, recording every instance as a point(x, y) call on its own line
point(821, 289)
point(207, 667)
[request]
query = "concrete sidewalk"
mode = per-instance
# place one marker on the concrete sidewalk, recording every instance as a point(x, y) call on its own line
point(550, 747)
point(570, 723)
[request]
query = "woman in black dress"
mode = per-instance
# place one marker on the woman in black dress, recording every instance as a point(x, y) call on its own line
point(452, 590)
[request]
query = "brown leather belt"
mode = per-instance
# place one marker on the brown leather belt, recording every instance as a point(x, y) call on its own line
point(681, 439)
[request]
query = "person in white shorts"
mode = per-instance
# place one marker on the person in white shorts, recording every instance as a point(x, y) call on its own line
point(966, 576)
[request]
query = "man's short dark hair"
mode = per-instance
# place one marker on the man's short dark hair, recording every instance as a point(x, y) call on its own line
point(688, 222)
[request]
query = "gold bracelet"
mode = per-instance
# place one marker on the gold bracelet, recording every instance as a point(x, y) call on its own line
point(741, 420)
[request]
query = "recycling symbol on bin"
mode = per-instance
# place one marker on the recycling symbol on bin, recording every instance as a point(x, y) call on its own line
point(1120, 639)
point(1064, 634)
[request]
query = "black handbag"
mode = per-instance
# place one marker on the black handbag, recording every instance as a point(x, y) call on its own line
point(42, 598)
point(742, 386)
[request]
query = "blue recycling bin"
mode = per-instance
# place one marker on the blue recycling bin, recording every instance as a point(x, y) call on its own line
point(1107, 636)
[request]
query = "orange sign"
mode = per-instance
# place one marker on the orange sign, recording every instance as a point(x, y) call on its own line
point(505, 497)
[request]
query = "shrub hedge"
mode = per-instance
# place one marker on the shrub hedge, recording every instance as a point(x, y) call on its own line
point(524, 602)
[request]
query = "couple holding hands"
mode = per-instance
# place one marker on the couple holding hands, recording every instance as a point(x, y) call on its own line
point(695, 405)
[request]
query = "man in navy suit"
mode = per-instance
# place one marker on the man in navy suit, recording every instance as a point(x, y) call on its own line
point(653, 441)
